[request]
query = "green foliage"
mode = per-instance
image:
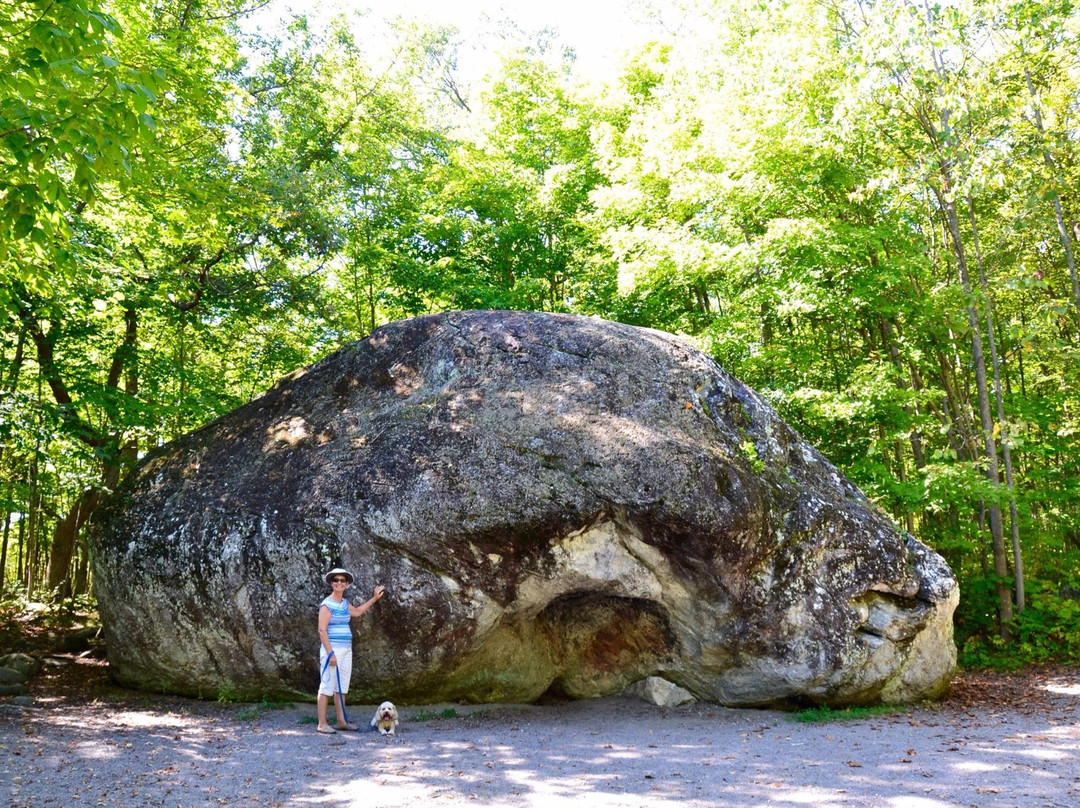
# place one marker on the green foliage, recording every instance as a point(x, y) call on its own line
point(28, 623)
point(824, 715)
point(253, 712)
point(227, 695)
point(778, 186)
point(1046, 632)
point(431, 715)
point(71, 114)
point(12, 609)
point(748, 450)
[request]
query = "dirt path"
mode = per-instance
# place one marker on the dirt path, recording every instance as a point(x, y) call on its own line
point(997, 741)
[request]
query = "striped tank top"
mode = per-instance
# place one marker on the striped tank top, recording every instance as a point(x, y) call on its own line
point(338, 630)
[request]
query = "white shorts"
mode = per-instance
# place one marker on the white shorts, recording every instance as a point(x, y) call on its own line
point(328, 678)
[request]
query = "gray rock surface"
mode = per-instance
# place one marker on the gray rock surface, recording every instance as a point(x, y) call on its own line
point(659, 691)
point(555, 503)
point(78, 641)
point(24, 664)
point(10, 677)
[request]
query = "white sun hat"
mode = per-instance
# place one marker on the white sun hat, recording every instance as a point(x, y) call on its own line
point(338, 571)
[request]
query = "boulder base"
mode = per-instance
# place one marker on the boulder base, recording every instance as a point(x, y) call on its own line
point(554, 503)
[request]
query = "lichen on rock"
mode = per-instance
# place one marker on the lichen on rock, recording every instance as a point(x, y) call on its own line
point(554, 503)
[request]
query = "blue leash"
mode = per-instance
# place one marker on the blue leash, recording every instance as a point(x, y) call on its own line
point(341, 698)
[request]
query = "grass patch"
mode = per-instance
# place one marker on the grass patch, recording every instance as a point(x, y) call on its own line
point(822, 715)
point(226, 695)
point(309, 719)
point(250, 712)
point(424, 715)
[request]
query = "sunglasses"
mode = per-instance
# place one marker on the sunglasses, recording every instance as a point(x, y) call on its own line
point(339, 580)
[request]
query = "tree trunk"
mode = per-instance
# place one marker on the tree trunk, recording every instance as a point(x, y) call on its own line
point(1014, 521)
point(959, 432)
point(63, 540)
point(67, 527)
point(181, 365)
point(939, 134)
point(22, 550)
point(889, 341)
point(901, 475)
point(371, 299)
point(81, 583)
point(13, 376)
point(33, 516)
point(4, 550)
point(947, 204)
point(1063, 231)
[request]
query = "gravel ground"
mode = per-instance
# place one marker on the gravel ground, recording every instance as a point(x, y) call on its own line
point(997, 741)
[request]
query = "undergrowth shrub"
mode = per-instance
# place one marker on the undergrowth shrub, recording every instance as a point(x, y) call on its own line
point(1047, 632)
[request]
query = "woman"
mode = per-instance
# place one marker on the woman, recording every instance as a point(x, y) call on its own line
point(335, 657)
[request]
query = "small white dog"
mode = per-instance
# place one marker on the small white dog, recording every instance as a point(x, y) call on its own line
point(385, 719)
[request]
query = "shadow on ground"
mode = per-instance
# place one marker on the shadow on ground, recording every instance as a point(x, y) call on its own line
point(89, 743)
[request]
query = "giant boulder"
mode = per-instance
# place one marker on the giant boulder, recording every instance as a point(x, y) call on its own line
point(555, 504)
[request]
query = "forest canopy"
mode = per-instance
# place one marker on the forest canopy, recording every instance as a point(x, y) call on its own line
point(865, 210)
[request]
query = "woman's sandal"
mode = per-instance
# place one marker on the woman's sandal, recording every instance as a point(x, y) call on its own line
point(348, 726)
point(326, 729)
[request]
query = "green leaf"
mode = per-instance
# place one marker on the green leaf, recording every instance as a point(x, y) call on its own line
point(24, 225)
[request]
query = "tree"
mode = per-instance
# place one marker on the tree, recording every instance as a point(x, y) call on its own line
point(167, 241)
point(70, 113)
